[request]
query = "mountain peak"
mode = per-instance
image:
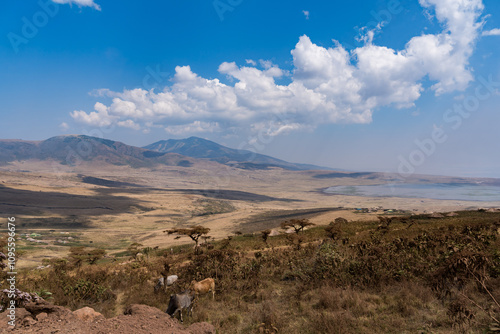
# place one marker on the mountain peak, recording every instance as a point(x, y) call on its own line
point(200, 148)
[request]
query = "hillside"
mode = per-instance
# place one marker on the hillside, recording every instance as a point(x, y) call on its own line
point(398, 274)
point(205, 149)
point(74, 149)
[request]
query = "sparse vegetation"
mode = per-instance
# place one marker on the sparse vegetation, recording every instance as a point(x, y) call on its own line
point(435, 276)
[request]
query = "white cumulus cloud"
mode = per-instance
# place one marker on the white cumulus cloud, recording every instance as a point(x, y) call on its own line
point(80, 3)
point(64, 126)
point(194, 127)
point(129, 124)
point(492, 32)
point(327, 84)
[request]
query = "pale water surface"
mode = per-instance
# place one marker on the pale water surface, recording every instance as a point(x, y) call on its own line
point(451, 191)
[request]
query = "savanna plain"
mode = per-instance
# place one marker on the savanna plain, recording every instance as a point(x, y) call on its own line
point(286, 257)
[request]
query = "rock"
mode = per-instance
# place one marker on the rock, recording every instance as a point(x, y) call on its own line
point(43, 306)
point(28, 321)
point(41, 316)
point(88, 314)
point(171, 279)
point(452, 214)
point(274, 233)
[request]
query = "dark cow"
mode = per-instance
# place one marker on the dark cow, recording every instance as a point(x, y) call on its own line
point(180, 301)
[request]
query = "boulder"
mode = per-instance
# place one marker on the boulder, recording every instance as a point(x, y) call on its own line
point(88, 314)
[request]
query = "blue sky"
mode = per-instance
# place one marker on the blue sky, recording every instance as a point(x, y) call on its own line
point(382, 85)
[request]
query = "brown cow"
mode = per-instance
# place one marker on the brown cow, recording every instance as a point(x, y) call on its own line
point(205, 286)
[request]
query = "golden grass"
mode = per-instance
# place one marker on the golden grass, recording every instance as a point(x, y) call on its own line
point(379, 281)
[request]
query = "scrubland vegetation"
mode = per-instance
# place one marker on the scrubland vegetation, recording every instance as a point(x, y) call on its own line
point(413, 274)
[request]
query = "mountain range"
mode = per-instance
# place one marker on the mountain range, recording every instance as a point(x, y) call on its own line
point(71, 149)
point(205, 149)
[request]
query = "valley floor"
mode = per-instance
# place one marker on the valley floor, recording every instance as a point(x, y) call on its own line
point(113, 206)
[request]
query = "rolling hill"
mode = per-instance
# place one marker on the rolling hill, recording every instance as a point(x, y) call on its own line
point(73, 149)
point(205, 149)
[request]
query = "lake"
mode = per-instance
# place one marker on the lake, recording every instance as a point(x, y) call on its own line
point(449, 191)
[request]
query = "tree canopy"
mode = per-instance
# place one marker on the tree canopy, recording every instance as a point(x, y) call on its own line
point(194, 232)
point(298, 225)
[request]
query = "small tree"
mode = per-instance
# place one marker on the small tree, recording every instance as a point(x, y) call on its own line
point(79, 255)
point(194, 232)
point(383, 227)
point(297, 224)
point(95, 255)
point(295, 240)
point(334, 229)
point(265, 235)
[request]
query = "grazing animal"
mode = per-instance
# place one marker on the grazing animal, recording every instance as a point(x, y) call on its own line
point(180, 301)
point(170, 280)
point(205, 286)
point(160, 284)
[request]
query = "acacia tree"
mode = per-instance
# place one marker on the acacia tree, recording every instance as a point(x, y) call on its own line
point(298, 225)
point(265, 235)
point(79, 255)
point(194, 232)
